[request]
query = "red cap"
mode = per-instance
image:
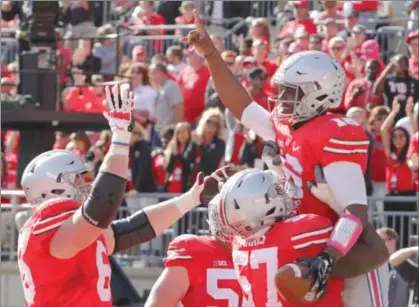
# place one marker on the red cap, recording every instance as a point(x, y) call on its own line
point(412, 35)
point(370, 50)
point(302, 3)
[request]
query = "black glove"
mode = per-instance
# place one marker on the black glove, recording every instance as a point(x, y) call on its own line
point(320, 269)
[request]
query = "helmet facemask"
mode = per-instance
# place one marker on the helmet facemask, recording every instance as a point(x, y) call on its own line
point(69, 185)
point(292, 105)
point(216, 227)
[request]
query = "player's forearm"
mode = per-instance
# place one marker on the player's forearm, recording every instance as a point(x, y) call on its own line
point(231, 92)
point(347, 231)
point(145, 225)
point(368, 253)
point(115, 164)
point(402, 255)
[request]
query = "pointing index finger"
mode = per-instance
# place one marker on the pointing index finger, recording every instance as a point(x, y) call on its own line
point(198, 21)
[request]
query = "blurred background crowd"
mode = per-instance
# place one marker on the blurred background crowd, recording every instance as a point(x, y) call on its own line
point(182, 127)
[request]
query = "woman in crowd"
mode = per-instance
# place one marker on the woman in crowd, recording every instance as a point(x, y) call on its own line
point(207, 147)
point(378, 158)
point(158, 159)
point(178, 169)
point(399, 177)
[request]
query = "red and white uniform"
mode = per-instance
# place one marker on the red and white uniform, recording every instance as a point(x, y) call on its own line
point(212, 279)
point(257, 260)
point(83, 280)
point(331, 141)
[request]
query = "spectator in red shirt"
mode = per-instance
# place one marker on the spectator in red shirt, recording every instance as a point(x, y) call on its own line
point(144, 15)
point(412, 42)
point(186, 9)
point(360, 91)
point(5, 73)
point(260, 52)
point(331, 30)
point(399, 177)
point(79, 98)
point(8, 86)
point(259, 29)
point(302, 19)
point(193, 82)
point(378, 157)
point(178, 169)
point(257, 78)
point(331, 11)
point(97, 106)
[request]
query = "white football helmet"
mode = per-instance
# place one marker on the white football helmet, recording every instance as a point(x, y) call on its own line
point(55, 174)
point(253, 200)
point(309, 83)
point(222, 232)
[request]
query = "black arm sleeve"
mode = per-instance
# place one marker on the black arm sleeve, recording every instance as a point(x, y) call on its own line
point(104, 200)
point(131, 231)
point(409, 271)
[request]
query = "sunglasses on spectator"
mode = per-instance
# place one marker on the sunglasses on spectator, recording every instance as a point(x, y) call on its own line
point(337, 48)
point(398, 136)
point(213, 122)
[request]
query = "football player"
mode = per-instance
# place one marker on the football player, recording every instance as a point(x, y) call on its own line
point(63, 248)
point(309, 83)
point(258, 208)
point(199, 269)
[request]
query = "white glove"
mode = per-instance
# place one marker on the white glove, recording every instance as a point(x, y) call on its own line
point(119, 115)
point(192, 198)
point(321, 190)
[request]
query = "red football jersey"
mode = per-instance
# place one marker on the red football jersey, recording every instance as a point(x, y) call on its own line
point(211, 274)
point(257, 260)
point(83, 280)
point(322, 140)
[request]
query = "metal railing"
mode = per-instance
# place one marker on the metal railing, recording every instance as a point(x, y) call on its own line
point(152, 253)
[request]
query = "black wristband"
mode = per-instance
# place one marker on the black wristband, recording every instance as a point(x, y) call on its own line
point(103, 203)
point(131, 231)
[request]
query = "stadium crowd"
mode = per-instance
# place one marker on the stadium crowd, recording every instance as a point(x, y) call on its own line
point(182, 127)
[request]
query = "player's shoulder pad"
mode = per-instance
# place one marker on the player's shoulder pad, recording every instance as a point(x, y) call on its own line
point(188, 247)
point(52, 214)
point(307, 229)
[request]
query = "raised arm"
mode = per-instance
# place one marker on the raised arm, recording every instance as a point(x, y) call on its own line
point(231, 92)
point(388, 124)
point(101, 206)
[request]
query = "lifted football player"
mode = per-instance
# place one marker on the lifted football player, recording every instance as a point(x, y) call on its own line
point(309, 84)
point(63, 248)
